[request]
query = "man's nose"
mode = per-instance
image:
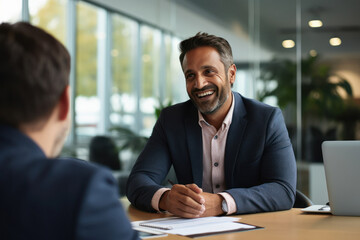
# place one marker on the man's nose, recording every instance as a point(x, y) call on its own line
point(200, 82)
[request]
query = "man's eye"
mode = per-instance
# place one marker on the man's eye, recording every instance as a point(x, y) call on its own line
point(189, 76)
point(208, 71)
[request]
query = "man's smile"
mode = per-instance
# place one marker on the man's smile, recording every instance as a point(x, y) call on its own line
point(205, 94)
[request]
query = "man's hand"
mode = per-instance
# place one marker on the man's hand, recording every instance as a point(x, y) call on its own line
point(184, 201)
point(212, 204)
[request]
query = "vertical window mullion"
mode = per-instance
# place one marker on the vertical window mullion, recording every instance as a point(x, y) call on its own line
point(162, 69)
point(138, 85)
point(103, 73)
point(25, 15)
point(71, 46)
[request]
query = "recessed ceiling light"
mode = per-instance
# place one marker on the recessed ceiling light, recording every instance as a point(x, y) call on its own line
point(315, 23)
point(288, 43)
point(335, 41)
point(313, 53)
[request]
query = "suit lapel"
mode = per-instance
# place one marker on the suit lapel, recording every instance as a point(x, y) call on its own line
point(234, 139)
point(194, 141)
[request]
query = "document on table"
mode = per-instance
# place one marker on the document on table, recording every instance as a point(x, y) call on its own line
point(195, 226)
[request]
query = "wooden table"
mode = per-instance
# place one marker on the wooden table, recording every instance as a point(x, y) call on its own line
point(291, 224)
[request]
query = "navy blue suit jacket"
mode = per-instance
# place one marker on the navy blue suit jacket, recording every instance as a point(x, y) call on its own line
point(260, 167)
point(55, 198)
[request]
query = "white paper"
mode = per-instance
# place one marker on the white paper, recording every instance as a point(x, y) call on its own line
point(185, 227)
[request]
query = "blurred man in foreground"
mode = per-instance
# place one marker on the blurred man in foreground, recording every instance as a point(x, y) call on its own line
point(43, 197)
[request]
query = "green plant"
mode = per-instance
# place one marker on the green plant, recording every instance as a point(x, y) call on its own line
point(319, 94)
point(128, 140)
point(161, 106)
point(321, 98)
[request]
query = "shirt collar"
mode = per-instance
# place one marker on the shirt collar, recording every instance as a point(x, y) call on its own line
point(227, 119)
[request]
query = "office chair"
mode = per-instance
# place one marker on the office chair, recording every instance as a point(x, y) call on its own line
point(103, 150)
point(301, 200)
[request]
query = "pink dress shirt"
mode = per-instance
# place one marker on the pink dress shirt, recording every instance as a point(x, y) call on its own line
point(214, 142)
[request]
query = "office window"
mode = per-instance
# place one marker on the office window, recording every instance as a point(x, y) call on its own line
point(168, 94)
point(87, 105)
point(178, 78)
point(124, 52)
point(119, 64)
point(150, 57)
point(10, 11)
point(175, 81)
point(243, 83)
point(49, 15)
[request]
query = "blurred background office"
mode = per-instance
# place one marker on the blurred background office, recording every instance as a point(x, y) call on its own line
point(300, 55)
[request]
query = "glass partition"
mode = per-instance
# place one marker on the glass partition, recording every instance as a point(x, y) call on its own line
point(330, 74)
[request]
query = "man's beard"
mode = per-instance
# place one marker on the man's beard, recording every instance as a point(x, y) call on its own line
point(211, 107)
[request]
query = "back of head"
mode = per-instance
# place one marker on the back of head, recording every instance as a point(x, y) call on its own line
point(34, 71)
point(206, 40)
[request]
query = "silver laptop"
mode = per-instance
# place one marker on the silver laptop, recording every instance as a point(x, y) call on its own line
point(342, 172)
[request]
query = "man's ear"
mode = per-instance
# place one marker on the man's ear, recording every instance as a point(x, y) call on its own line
point(64, 104)
point(232, 73)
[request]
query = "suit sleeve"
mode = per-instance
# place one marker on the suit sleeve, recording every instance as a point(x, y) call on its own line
point(150, 170)
point(101, 215)
point(277, 183)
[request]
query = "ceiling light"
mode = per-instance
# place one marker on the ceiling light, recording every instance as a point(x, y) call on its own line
point(288, 43)
point(315, 23)
point(313, 53)
point(335, 41)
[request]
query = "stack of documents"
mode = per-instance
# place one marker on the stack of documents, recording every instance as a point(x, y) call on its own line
point(194, 226)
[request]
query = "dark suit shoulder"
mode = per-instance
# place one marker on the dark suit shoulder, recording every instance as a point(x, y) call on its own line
point(175, 116)
point(180, 109)
point(39, 189)
point(252, 109)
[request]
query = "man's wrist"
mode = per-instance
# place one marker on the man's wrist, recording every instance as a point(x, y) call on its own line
point(217, 207)
point(162, 202)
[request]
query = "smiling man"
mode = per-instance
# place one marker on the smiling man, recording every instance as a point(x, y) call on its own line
point(231, 155)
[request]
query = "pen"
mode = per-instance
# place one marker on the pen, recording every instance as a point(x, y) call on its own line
point(171, 182)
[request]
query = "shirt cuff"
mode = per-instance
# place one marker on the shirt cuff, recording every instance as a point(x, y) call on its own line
point(156, 198)
point(230, 201)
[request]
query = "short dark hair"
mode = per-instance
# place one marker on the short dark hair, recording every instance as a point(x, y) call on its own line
point(205, 40)
point(34, 72)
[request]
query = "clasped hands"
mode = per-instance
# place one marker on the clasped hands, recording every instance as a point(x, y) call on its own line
point(189, 201)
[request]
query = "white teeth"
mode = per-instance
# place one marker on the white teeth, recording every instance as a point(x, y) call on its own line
point(205, 93)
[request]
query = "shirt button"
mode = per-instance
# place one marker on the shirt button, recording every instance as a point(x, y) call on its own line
point(216, 164)
point(216, 136)
point(217, 185)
